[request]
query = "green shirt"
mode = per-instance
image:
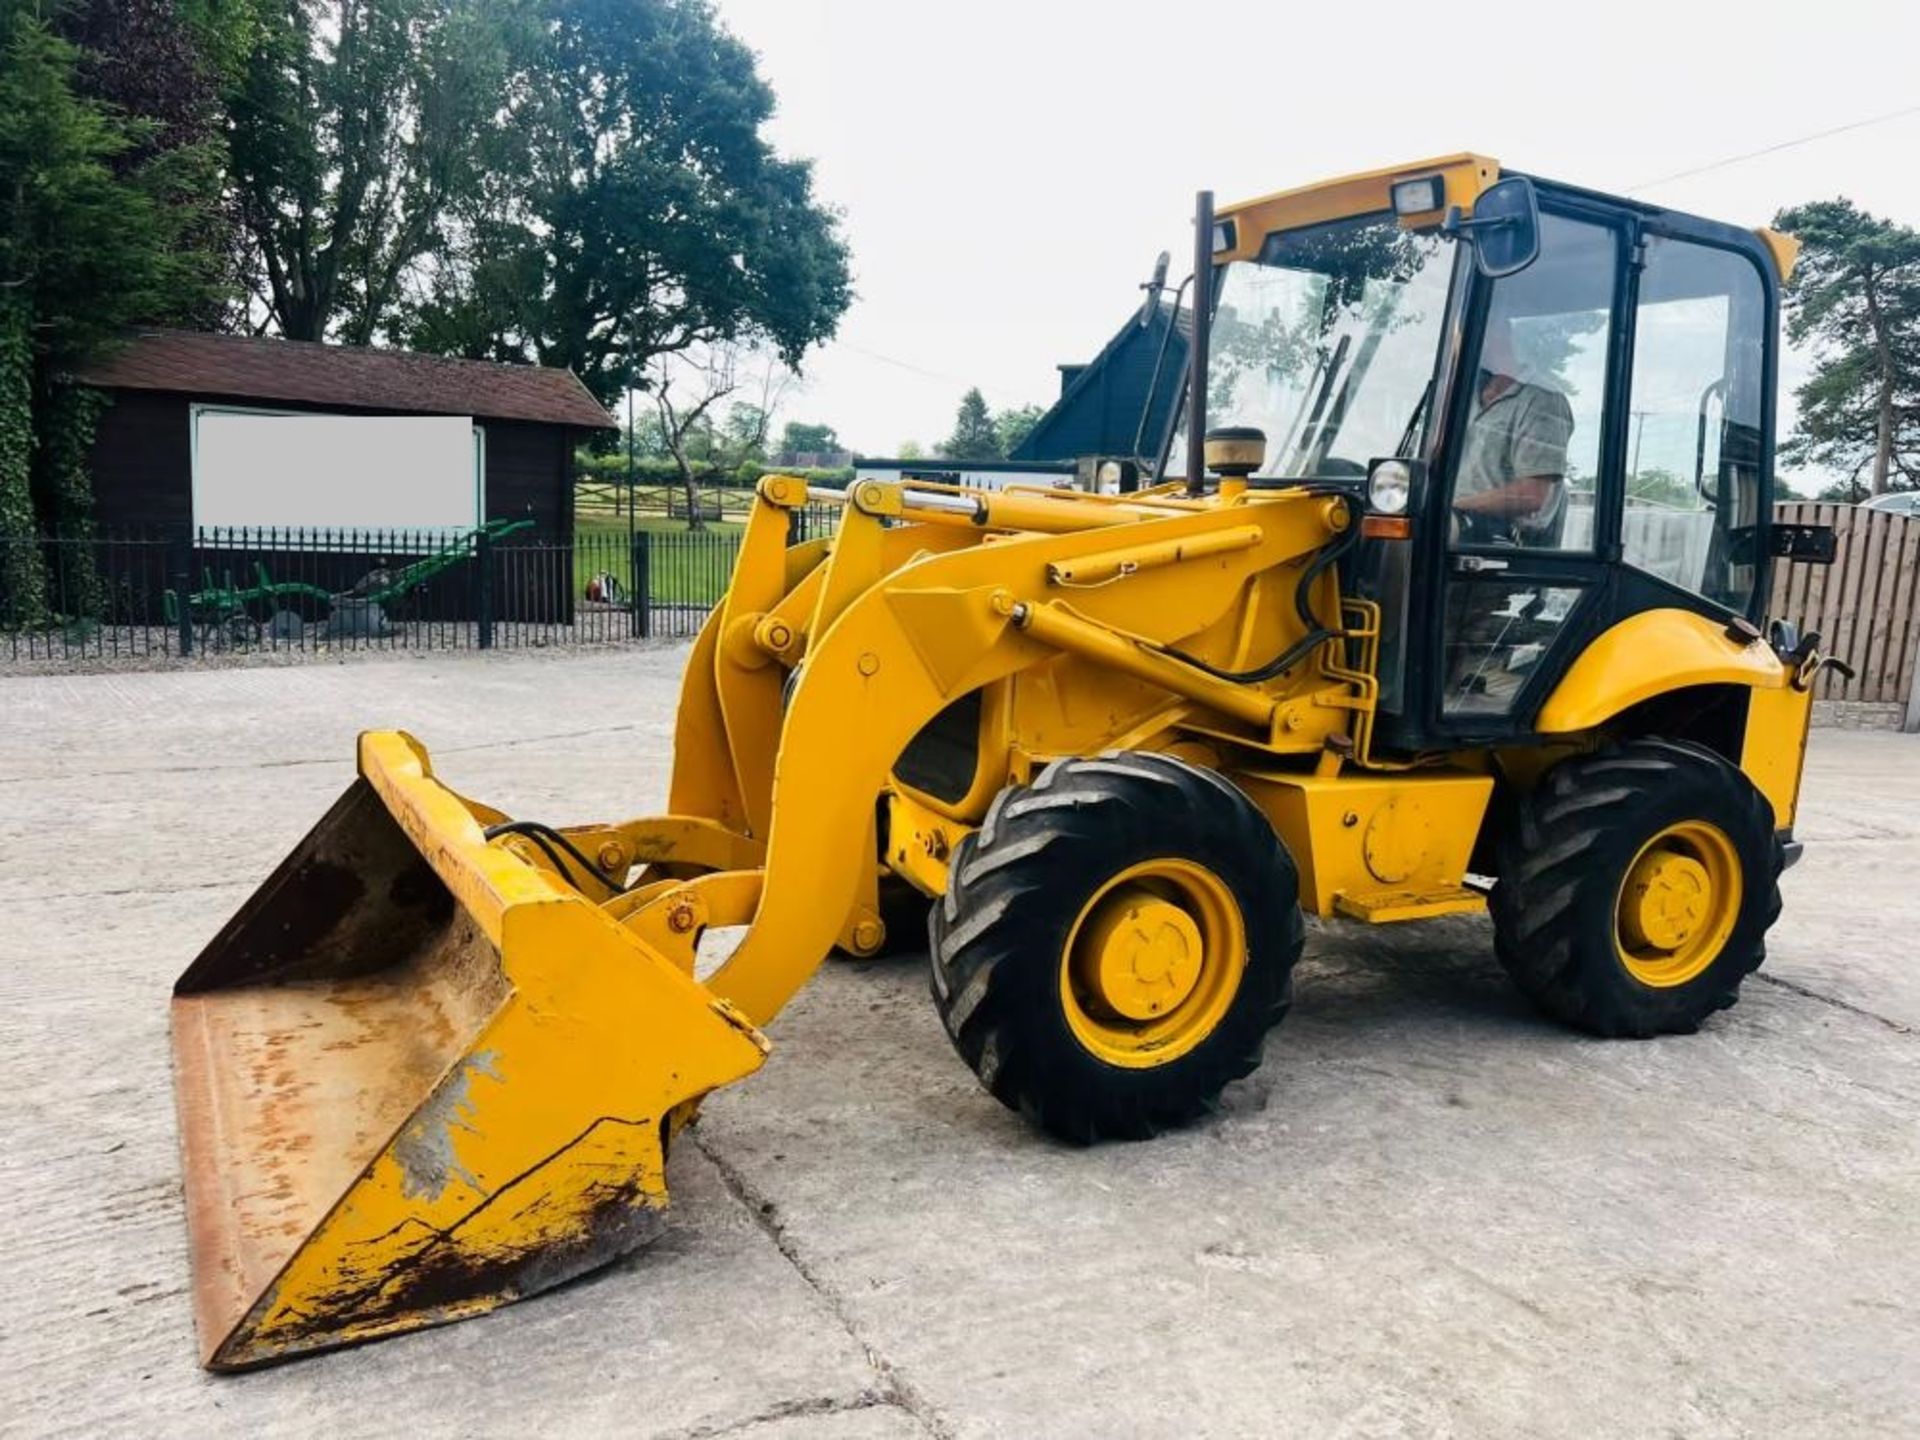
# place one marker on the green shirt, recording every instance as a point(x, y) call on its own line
point(1524, 431)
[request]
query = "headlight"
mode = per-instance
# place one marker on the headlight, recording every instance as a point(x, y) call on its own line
point(1389, 487)
point(1110, 475)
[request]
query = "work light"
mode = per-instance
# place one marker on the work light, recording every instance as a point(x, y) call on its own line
point(1419, 197)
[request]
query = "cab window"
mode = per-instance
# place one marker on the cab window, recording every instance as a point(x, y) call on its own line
point(1694, 433)
point(1530, 453)
point(1526, 469)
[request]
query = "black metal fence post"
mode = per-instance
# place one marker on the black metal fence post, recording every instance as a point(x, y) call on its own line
point(483, 575)
point(183, 588)
point(640, 566)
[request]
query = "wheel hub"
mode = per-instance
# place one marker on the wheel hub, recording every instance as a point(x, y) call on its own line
point(1144, 954)
point(1669, 896)
point(1678, 904)
point(1153, 963)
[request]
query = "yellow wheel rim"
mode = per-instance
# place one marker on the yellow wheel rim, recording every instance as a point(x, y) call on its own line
point(1678, 904)
point(1152, 963)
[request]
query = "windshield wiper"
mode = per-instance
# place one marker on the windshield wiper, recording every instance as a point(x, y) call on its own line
point(1310, 433)
point(1337, 415)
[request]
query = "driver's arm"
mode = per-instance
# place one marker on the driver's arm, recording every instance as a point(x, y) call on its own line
point(1528, 495)
point(1536, 459)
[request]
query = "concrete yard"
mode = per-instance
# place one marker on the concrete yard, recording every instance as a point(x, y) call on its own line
point(1429, 1213)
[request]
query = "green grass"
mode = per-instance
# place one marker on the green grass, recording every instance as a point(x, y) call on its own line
point(684, 567)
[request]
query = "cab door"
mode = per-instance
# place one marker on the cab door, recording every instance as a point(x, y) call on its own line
point(1526, 501)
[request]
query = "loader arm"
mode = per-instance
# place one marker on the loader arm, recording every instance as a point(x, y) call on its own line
point(925, 634)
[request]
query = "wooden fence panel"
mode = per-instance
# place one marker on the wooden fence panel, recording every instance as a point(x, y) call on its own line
point(1903, 624)
point(1866, 605)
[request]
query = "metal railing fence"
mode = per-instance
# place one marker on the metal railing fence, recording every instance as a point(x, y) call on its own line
point(109, 596)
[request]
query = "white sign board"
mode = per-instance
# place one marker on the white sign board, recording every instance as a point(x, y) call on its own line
point(343, 472)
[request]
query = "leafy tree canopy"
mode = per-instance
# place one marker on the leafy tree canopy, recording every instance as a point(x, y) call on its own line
point(1012, 426)
point(94, 208)
point(353, 128)
point(161, 64)
point(799, 438)
point(97, 218)
point(634, 209)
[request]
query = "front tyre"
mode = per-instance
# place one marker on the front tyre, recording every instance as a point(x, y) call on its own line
point(1114, 944)
point(1636, 887)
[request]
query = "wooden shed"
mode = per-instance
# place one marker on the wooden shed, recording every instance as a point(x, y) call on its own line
point(170, 387)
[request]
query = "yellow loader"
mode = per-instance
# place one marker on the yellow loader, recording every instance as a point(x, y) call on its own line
point(1459, 609)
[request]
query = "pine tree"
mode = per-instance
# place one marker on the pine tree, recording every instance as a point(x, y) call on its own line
point(1856, 293)
point(974, 436)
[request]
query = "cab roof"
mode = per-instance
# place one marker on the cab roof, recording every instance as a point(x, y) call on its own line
point(1463, 175)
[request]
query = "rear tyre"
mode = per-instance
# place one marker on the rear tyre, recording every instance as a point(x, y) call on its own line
point(1636, 887)
point(1114, 944)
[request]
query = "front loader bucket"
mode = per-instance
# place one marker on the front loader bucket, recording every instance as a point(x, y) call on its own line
point(418, 1077)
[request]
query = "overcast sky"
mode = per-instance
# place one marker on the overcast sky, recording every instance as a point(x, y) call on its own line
point(1007, 171)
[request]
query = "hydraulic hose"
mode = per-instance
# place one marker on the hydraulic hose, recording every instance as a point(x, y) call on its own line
point(1316, 634)
point(540, 834)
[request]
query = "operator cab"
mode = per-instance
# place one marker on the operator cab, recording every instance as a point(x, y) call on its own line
point(1559, 403)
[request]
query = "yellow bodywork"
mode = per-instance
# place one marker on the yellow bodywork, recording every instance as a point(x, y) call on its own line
point(435, 1063)
point(1658, 652)
point(1462, 177)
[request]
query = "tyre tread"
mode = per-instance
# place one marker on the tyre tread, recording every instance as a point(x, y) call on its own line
point(1543, 933)
point(1005, 884)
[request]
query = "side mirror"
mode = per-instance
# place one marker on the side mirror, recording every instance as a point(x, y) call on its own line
point(1504, 230)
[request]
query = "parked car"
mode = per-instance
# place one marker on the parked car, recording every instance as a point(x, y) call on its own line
point(1900, 502)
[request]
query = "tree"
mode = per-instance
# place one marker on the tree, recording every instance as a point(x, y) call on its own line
point(1849, 491)
point(910, 450)
point(803, 439)
point(639, 212)
point(743, 434)
point(96, 226)
point(354, 127)
point(92, 212)
point(1855, 294)
point(1655, 487)
point(1011, 427)
point(163, 64)
point(974, 436)
point(687, 389)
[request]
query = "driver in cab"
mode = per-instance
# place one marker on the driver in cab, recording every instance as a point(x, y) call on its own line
point(1510, 486)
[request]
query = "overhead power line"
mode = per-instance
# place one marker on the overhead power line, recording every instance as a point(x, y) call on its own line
point(992, 391)
point(1890, 116)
